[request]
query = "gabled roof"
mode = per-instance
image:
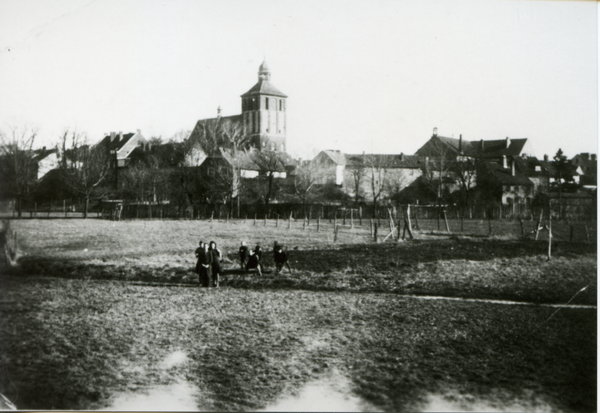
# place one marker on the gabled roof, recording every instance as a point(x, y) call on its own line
point(264, 87)
point(491, 148)
point(380, 160)
point(504, 175)
point(254, 160)
point(117, 142)
point(40, 154)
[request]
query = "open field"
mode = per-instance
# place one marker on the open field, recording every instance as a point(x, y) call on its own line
point(77, 334)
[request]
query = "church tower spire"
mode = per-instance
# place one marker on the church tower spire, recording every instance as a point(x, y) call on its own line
point(264, 113)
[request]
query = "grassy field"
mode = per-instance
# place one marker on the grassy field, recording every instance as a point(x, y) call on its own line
point(77, 334)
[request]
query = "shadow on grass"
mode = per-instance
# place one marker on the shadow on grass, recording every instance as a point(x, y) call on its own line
point(405, 268)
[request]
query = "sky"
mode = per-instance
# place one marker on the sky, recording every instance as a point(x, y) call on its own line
point(371, 76)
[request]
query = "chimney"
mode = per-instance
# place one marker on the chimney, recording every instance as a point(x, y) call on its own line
point(113, 135)
point(460, 143)
point(507, 142)
point(120, 135)
point(435, 131)
point(545, 158)
point(482, 146)
point(586, 156)
point(593, 157)
point(139, 131)
point(219, 111)
point(401, 156)
point(504, 162)
point(512, 167)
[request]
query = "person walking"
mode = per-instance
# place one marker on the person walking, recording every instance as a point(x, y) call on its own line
point(280, 258)
point(216, 263)
point(203, 265)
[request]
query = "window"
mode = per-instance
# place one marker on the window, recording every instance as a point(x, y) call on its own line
point(280, 105)
point(267, 103)
point(538, 168)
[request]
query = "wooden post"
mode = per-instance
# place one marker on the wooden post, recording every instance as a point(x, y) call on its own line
point(351, 218)
point(490, 223)
point(35, 208)
point(549, 236)
point(318, 223)
point(375, 233)
point(522, 231)
point(537, 229)
point(309, 214)
point(65, 207)
point(335, 221)
point(265, 220)
point(360, 216)
point(416, 217)
point(571, 236)
point(277, 221)
point(344, 223)
point(290, 221)
point(446, 221)
point(409, 225)
point(335, 233)
point(371, 226)
point(304, 223)
point(212, 214)
point(254, 219)
point(161, 213)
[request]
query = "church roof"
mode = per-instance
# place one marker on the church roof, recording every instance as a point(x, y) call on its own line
point(264, 87)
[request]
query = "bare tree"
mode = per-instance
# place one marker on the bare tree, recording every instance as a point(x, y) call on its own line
point(19, 168)
point(232, 134)
point(375, 172)
point(436, 172)
point(358, 175)
point(88, 169)
point(305, 178)
point(270, 165)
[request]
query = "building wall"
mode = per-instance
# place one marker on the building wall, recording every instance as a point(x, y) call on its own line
point(47, 164)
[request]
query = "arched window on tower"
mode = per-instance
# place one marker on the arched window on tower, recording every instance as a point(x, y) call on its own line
point(267, 103)
point(281, 105)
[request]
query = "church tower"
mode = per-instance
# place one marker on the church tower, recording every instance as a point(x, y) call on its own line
point(264, 113)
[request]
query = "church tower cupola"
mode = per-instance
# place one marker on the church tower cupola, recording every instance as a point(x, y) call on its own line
point(263, 72)
point(264, 113)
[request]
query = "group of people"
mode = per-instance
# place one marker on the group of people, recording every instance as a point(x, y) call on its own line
point(252, 259)
point(208, 266)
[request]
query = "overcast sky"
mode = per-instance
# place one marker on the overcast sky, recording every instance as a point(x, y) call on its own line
point(374, 76)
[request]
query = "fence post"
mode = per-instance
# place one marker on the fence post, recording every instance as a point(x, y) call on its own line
point(521, 223)
point(360, 216)
point(446, 221)
point(537, 229)
point(371, 226)
point(335, 233)
point(571, 237)
point(290, 221)
point(277, 221)
point(35, 208)
point(335, 221)
point(265, 220)
point(212, 214)
point(254, 219)
point(375, 232)
point(549, 236)
point(227, 217)
point(490, 223)
point(409, 225)
point(318, 223)
point(351, 218)
point(304, 223)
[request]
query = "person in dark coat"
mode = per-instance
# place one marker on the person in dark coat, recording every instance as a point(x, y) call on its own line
point(258, 252)
point(216, 263)
point(254, 262)
point(281, 259)
point(203, 266)
point(243, 255)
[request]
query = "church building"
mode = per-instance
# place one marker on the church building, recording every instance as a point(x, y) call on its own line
point(263, 119)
